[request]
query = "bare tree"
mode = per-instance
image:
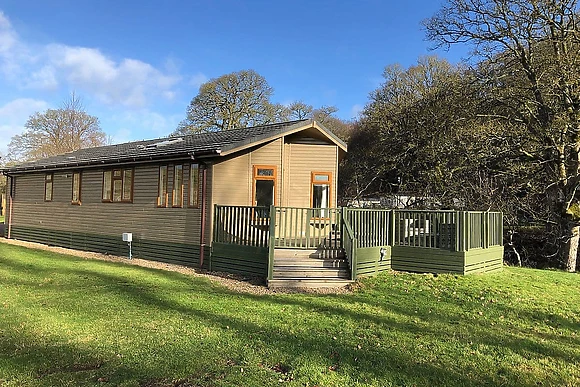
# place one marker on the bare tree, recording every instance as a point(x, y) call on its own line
point(57, 131)
point(531, 61)
point(299, 110)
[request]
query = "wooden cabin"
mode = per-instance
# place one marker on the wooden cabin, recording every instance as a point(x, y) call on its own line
point(257, 201)
point(163, 191)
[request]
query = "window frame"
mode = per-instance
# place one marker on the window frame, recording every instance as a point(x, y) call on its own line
point(121, 178)
point(256, 177)
point(49, 178)
point(327, 182)
point(193, 191)
point(173, 190)
point(165, 184)
point(78, 201)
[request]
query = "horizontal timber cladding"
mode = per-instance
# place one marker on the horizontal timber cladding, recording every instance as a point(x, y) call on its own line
point(300, 161)
point(370, 261)
point(233, 176)
point(247, 260)
point(484, 260)
point(425, 260)
point(142, 217)
point(175, 253)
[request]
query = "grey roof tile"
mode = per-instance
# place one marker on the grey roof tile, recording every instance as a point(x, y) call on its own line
point(203, 143)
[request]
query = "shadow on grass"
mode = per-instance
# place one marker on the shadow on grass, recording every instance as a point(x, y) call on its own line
point(388, 362)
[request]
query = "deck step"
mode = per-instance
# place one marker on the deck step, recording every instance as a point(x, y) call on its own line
point(308, 253)
point(304, 272)
point(310, 283)
point(310, 262)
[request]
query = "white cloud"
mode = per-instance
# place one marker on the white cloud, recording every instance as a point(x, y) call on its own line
point(14, 115)
point(140, 125)
point(356, 110)
point(127, 82)
point(7, 35)
point(198, 79)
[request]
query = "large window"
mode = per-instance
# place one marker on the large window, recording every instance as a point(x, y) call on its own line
point(321, 182)
point(76, 188)
point(177, 186)
point(118, 185)
point(48, 178)
point(194, 185)
point(162, 195)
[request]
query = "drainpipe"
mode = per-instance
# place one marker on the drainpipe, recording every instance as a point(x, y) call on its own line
point(11, 205)
point(203, 214)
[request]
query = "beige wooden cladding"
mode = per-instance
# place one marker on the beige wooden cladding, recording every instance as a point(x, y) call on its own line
point(301, 161)
point(142, 217)
point(233, 181)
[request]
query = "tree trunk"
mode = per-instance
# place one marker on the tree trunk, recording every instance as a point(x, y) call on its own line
point(573, 248)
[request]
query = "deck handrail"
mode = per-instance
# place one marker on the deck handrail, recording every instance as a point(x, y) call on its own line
point(350, 244)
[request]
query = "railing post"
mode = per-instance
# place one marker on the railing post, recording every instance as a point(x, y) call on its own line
point(353, 259)
point(309, 215)
point(458, 236)
point(500, 228)
point(391, 227)
point(486, 231)
point(216, 236)
point(272, 242)
point(466, 231)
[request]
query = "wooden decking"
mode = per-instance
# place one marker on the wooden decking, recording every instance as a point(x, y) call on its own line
point(307, 247)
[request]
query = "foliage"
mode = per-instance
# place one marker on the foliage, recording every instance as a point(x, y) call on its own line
point(241, 99)
point(530, 54)
point(57, 131)
point(72, 321)
point(421, 134)
point(234, 100)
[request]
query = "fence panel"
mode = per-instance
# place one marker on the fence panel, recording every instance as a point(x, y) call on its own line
point(427, 229)
point(307, 228)
point(371, 228)
point(242, 225)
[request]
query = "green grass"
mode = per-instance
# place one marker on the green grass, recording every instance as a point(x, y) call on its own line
point(1, 219)
point(66, 321)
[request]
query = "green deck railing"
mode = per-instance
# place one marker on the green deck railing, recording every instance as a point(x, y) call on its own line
point(348, 229)
point(307, 228)
point(242, 225)
point(370, 227)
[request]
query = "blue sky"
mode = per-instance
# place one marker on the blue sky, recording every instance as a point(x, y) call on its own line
point(137, 64)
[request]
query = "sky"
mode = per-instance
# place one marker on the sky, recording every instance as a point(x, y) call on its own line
point(136, 65)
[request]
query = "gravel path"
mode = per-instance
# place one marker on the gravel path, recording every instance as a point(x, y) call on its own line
point(234, 282)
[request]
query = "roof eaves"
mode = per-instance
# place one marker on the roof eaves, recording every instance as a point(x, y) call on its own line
point(107, 161)
point(331, 136)
point(257, 140)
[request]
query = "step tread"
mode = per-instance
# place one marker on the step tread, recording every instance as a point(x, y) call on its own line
point(308, 283)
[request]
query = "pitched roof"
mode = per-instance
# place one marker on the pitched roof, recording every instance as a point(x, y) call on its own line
point(193, 145)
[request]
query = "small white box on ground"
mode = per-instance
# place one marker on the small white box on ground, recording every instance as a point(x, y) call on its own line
point(127, 237)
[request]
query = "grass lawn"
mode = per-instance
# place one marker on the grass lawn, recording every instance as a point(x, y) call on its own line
point(66, 321)
point(1, 219)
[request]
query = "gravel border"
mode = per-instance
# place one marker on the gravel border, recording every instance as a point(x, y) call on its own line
point(235, 282)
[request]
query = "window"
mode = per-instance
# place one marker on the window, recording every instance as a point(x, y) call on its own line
point(264, 193)
point(118, 185)
point(76, 188)
point(177, 186)
point(321, 192)
point(194, 185)
point(48, 187)
point(162, 190)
